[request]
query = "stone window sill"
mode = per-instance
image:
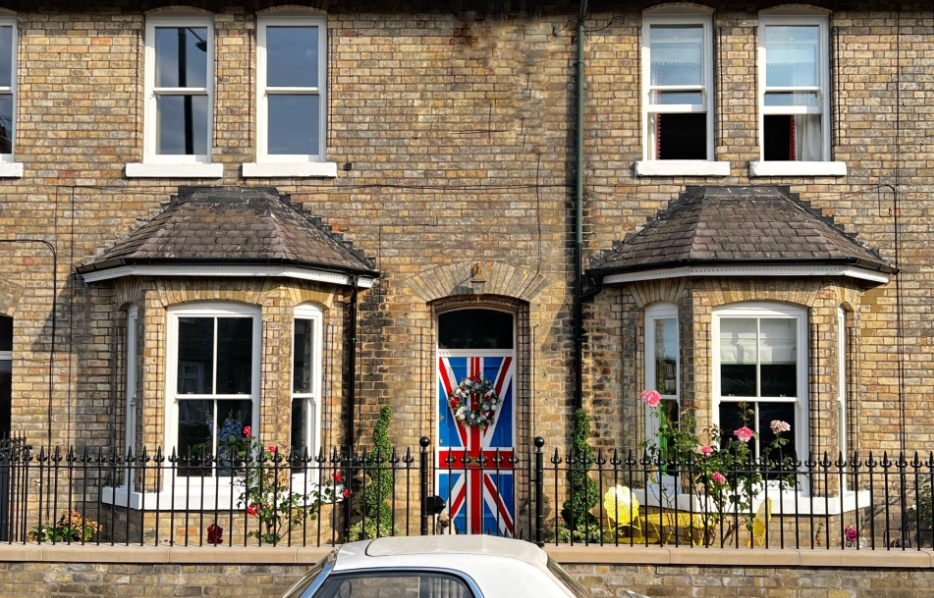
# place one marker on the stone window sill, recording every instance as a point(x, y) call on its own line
point(11, 170)
point(139, 170)
point(682, 168)
point(773, 169)
point(271, 170)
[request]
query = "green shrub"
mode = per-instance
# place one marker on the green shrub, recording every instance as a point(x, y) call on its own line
point(582, 490)
point(376, 511)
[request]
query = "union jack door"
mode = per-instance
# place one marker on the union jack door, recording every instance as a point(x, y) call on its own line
point(474, 464)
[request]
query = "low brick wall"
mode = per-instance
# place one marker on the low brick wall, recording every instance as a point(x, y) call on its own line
point(63, 571)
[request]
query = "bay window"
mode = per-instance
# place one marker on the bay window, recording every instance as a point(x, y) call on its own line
point(760, 372)
point(212, 378)
point(306, 380)
point(662, 366)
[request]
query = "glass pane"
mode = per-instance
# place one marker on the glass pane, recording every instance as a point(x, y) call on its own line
point(680, 136)
point(7, 124)
point(677, 53)
point(778, 357)
point(293, 124)
point(302, 371)
point(6, 56)
point(792, 137)
point(234, 415)
point(769, 412)
point(6, 396)
point(475, 329)
point(195, 429)
point(735, 415)
point(677, 97)
point(302, 415)
point(666, 356)
point(182, 125)
point(797, 98)
point(792, 55)
point(6, 333)
point(386, 584)
point(738, 341)
point(181, 57)
point(234, 356)
point(195, 356)
point(292, 56)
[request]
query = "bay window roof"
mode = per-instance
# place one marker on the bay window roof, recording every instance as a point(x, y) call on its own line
point(226, 231)
point(740, 231)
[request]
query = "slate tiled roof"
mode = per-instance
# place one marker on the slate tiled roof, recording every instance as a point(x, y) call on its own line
point(252, 225)
point(737, 225)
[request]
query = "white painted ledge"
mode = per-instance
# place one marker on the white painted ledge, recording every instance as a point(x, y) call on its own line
point(139, 170)
point(262, 170)
point(682, 168)
point(11, 170)
point(791, 168)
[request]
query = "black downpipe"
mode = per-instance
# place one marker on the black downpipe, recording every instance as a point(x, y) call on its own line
point(578, 220)
point(352, 395)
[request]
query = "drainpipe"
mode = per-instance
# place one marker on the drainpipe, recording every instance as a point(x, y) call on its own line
point(352, 375)
point(578, 219)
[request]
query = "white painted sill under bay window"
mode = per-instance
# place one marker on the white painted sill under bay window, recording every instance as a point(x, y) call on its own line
point(792, 168)
point(271, 170)
point(142, 170)
point(647, 168)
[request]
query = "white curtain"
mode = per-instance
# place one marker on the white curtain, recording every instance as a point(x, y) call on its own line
point(807, 138)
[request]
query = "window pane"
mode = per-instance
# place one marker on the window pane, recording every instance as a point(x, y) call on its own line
point(195, 356)
point(787, 137)
point(734, 416)
point(677, 97)
point(302, 415)
point(234, 415)
point(6, 56)
point(791, 55)
point(768, 412)
point(778, 357)
point(475, 329)
point(234, 356)
point(293, 124)
point(680, 136)
point(677, 53)
point(6, 333)
point(302, 368)
point(181, 57)
point(6, 396)
point(738, 357)
point(666, 356)
point(798, 98)
point(182, 124)
point(7, 123)
point(292, 56)
point(195, 421)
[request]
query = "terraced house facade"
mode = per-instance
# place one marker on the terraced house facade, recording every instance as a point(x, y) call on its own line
point(288, 216)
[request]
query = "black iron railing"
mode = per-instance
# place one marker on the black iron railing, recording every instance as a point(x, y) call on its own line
point(610, 498)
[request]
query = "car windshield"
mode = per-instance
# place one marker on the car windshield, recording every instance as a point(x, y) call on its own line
point(305, 582)
point(576, 589)
point(394, 584)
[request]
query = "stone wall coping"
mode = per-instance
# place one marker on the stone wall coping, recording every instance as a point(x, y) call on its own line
point(603, 555)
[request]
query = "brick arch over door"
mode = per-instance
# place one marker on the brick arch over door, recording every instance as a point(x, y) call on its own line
point(478, 278)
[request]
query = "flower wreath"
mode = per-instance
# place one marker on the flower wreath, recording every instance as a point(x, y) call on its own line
point(477, 413)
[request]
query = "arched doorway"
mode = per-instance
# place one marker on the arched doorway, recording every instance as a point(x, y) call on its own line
point(474, 462)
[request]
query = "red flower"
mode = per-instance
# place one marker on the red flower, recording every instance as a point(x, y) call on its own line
point(251, 510)
point(272, 449)
point(215, 534)
point(337, 477)
point(247, 432)
point(347, 492)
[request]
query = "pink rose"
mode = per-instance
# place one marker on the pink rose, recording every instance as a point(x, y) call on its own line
point(744, 434)
point(718, 477)
point(272, 449)
point(247, 432)
point(778, 426)
point(706, 450)
point(651, 398)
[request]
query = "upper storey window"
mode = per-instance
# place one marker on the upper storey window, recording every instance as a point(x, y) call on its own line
point(291, 70)
point(794, 86)
point(677, 87)
point(7, 86)
point(179, 89)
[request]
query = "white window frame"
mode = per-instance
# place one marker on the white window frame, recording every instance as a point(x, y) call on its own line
point(9, 167)
point(150, 126)
point(841, 379)
point(653, 313)
point(650, 166)
point(207, 310)
point(801, 425)
point(823, 167)
point(132, 318)
point(312, 432)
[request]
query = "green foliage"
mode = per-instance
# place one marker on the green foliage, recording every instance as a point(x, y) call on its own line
point(70, 527)
point(924, 506)
point(379, 468)
point(583, 494)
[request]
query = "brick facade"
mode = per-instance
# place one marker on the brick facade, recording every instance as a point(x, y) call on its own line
point(454, 141)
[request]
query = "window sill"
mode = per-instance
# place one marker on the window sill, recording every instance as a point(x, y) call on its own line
point(797, 168)
point(682, 168)
point(264, 170)
point(11, 170)
point(139, 170)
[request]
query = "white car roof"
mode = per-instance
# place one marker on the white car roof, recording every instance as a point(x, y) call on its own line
point(435, 551)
